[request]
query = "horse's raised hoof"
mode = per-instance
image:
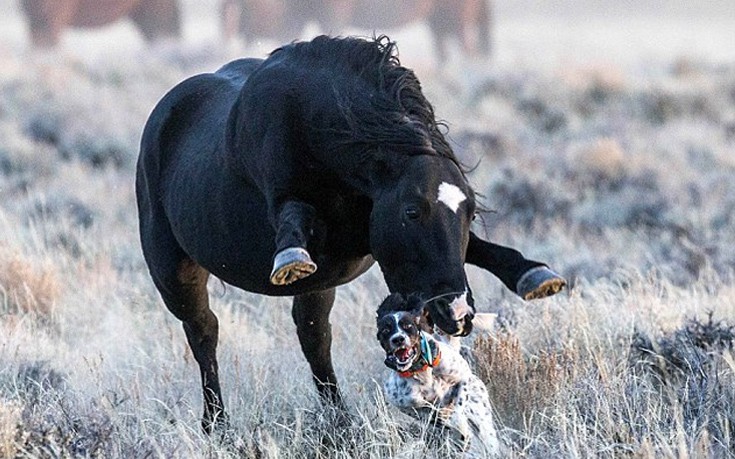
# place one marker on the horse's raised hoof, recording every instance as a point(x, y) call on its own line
point(291, 265)
point(539, 282)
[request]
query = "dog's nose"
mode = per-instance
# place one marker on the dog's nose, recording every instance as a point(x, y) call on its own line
point(397, 340)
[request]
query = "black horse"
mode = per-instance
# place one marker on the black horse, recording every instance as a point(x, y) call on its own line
point(324, 155)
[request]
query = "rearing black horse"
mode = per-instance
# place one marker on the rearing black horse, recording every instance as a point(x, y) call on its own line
point(324, 155)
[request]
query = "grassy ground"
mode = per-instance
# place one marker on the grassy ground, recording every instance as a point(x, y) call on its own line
point(618, 172)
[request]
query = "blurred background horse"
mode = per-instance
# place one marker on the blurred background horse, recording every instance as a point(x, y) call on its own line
point(464, 22)
point(47, 19)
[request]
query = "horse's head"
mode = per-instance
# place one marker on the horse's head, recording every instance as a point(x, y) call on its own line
point(419, 231)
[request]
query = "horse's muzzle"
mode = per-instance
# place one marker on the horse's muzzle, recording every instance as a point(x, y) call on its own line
point(453, 317)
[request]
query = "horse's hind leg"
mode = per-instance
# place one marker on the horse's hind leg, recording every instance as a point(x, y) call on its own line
point(157, 19)
point(47, 20)
point(202, 332)
point(311, 314)
point(485, 24)
point(295, 224)
point(183, 287)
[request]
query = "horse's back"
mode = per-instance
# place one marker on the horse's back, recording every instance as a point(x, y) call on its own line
point(193, 111)
point(239, 70)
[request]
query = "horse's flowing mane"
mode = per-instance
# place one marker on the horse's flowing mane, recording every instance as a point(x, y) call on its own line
point(380, 103)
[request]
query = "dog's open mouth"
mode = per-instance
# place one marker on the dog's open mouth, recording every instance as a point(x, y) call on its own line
point(404, 355)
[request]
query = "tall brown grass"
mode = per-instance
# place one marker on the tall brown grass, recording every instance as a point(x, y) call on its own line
point(27, 285)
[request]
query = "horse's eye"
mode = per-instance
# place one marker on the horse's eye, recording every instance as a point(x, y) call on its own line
point(474, 216)
point(412, 213)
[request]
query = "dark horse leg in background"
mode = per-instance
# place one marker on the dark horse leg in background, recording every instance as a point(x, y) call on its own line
point(527, 278)
point(157, 19)
point(46, 20)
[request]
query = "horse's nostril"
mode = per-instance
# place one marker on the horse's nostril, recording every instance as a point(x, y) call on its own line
point(460, 309)
point(460, 316)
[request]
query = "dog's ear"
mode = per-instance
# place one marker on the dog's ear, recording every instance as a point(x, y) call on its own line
point(377, 325)
point(390, 304)
point(423, 320)
point(416, 306)
point(413, 303)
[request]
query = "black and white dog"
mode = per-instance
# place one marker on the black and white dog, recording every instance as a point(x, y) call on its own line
point(430, 379)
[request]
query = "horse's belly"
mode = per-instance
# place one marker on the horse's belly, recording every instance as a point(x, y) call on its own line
point(226, 231)
point(330, 273)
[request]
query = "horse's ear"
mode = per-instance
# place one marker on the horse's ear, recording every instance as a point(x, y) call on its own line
point(373, 174)
point(381, 170)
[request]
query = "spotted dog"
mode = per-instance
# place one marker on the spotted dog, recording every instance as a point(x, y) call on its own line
point(430, 379)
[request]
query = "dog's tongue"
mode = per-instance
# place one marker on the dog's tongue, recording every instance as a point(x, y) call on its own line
point(402, 354)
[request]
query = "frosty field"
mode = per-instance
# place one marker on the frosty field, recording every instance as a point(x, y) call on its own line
point(604, 146)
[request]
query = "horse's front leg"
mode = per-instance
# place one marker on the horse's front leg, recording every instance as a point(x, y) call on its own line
point(527, 278)
point(311, 314)
point(295, 221)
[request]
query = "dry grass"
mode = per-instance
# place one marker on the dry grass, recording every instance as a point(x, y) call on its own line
point(27, 286)
point(628, 397)
point(522, 386)
point(10, 423)
point(617, 173)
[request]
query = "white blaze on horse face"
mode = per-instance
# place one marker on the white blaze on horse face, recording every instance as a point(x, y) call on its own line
point(450, 195)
